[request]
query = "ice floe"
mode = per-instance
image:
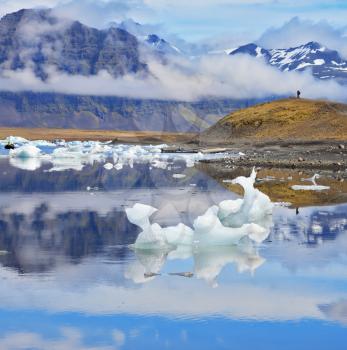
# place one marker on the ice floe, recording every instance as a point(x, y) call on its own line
point(224, 224)
point(29, 164)
point(108, 166)
point(75, 155)
point(313, 187)
point(25, 151)
point(226, 233)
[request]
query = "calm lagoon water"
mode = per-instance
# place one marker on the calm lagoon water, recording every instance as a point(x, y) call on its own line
point(69, 280)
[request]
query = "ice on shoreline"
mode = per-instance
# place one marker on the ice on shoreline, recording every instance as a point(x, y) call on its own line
point(75, 155)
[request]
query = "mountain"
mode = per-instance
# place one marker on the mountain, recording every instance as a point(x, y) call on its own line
point(160, 45)
point(38, 39)
point(147, 36)
point(289, 119)
point(33, 109)
point(323, 62)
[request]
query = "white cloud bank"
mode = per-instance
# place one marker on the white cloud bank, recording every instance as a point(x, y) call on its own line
point(235, 77)
point(297, 32)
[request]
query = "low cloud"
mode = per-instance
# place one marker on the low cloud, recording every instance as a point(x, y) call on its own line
point(297, 32)
point(182, 79)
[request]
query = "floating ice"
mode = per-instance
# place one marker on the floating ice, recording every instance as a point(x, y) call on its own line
point(226, 224)
point(209, 231)
point(179, 176)
point(108, 166)
point(76, 154)
point(118, 166)
point(25, 151)
point(16, 140)
point(153, 236)
point(313, 187)
point(29, 164)
point(253, 208)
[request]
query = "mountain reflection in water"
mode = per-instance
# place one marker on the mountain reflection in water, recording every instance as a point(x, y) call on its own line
point(70, 280)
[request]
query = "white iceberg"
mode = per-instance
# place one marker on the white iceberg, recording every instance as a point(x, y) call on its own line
point(226, 224)
point(209, 231)
point(313, 187)
point(108, 166)
point(29, 164)
point(153, 236)
point(253, 208)
point(179, 176)
point(25, 151)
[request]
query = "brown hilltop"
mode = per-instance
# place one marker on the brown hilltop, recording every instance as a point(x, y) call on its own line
point(286, 120)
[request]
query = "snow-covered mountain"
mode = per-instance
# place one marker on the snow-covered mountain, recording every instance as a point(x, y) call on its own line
point(161, 45)
point(146, 34)
point(323, 62)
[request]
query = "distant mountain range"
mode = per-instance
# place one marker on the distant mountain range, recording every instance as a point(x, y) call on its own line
point(40, 38)
point(149, 38)
point(41, 41)
point(37, 39)
point(323, 62)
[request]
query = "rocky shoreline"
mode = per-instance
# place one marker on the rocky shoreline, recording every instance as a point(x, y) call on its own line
point(315, 155)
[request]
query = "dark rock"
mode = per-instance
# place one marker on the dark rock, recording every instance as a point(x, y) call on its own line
point(40, 39)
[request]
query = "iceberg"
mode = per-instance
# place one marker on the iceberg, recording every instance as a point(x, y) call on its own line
point(16, 140)
point(179, 176)
point(253, 208)
point(29, 164)
point(225, 224)
point(313, 187)
point(89, 152)
point(25, 151)
point(153, 236)
point(209, 230)
point(108, 166)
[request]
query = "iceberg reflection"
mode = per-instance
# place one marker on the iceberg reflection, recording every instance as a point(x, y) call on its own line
point(225, 234)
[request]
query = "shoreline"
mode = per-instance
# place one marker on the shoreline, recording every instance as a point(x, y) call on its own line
point(116, 136)
point(324, 155)
point(282, 154)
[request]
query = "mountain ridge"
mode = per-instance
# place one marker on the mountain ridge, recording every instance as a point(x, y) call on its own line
point(324, 63)
point(38, 38)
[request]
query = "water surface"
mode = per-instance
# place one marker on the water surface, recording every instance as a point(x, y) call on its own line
point(69, 279)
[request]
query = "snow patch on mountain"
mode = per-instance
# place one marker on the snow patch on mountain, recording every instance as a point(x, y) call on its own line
point(323, 62)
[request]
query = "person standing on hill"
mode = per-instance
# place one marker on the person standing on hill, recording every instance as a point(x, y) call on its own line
point(298, 93)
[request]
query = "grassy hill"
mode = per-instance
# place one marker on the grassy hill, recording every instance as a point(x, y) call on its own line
point(289, 119)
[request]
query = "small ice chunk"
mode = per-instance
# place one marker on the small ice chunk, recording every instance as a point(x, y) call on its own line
point(16, 139)
point(310, 188)
point(313, 187)
point(179, 176)
point(108, 166)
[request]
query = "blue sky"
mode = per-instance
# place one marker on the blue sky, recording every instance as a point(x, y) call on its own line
point(197, 19)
